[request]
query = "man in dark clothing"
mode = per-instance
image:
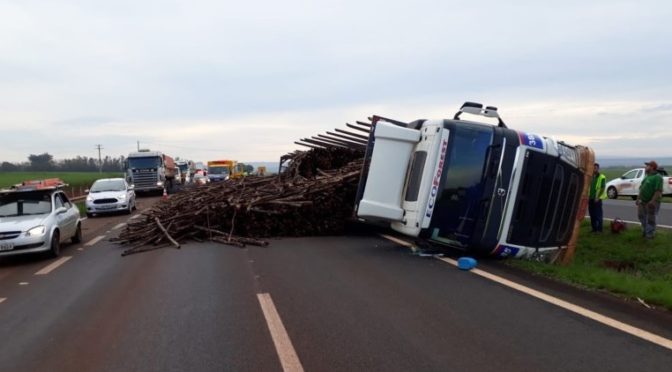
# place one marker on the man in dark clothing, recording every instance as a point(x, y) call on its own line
point(648, 201)
point(598, 192)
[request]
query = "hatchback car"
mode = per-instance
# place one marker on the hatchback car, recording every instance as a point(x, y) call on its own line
point(110, 195)
point(37, 220)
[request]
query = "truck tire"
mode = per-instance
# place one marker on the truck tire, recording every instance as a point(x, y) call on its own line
point(612, 193)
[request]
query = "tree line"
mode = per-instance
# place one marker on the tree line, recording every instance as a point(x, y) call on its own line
point(45, 163)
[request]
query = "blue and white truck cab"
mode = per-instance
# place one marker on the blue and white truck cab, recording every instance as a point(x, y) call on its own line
point(482, 188)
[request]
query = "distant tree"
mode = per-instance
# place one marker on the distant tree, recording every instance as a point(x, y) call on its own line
point(8, 167)
point(42, 162)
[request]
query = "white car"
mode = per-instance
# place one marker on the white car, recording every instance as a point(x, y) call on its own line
point(110, 195)
point(36, 219)
point(628, 184)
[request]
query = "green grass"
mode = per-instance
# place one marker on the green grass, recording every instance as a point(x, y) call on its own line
point(76, 180)
point(624, 264)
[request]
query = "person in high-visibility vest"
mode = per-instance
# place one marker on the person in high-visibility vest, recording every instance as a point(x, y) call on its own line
point(598, 192)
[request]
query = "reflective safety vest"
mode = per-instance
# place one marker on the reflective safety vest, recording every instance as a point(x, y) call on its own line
point(601, 178)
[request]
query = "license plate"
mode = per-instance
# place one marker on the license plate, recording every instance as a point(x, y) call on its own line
point(6, 246)
point(107, 206)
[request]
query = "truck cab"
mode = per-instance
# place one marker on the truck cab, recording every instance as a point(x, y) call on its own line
point(482, 188)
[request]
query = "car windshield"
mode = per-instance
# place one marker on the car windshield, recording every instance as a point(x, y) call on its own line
point(144, 162)
point(25, 203)
point(108, 185)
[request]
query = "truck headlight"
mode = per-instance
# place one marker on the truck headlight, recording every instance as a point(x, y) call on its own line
point(36, 231)
point(159, 183)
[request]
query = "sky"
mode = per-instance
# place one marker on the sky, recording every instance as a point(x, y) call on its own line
point(243, 80)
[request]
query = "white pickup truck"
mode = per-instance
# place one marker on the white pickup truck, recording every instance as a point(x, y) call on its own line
point(628, 184)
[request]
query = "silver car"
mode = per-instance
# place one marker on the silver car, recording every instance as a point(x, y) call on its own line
point(37, 220)
point(110, 195)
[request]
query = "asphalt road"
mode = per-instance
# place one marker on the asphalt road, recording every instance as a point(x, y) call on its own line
point(627, 210)
point(358, 303)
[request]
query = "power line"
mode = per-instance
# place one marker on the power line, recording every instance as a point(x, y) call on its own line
point(100, 159)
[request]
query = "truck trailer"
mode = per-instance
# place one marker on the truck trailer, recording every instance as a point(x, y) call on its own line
point(482, 188)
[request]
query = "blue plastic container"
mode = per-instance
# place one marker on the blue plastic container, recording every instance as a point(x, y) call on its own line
point(466, 263)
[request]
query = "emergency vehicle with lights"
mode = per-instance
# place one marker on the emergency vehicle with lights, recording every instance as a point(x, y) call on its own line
point(37, 216)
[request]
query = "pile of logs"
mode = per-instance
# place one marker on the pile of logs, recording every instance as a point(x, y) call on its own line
point(314, 195)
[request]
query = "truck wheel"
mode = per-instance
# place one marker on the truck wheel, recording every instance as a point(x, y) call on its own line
point(77, 238)
point(634, 197)
point(612, 193)
point(55, 246)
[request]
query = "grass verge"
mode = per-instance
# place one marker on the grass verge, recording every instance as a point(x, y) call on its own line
point(74, 179)
point(624, 264)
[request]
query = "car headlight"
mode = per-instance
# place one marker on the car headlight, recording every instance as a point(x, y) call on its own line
point(122, 197)
point(36, 231)
point(89, 198)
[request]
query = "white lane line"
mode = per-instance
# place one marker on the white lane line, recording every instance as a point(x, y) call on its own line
point(637, 332)
point(3, 299)
point(119, 226)
point(283, 345)
point(397, 240)
point(94, 240)
point(610, 322)
point(136, 216)
point(52, 266)
point(83, 219)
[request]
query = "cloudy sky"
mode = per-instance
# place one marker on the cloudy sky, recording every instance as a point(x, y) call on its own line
point(244, 79)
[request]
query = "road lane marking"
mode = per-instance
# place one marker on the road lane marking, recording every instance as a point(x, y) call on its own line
point(283, 345)
point(83, 219)
point(52, 266)
point(136, 216)
point(23, 283)
point(119, 226)
point(94, 240)
point(397, 240)
point(3, 299)
point(610, 322)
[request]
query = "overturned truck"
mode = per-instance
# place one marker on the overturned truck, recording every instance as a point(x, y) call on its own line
point(485, 189)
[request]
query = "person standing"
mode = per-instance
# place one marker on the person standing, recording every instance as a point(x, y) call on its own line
point(598, 192)
point(648, 201)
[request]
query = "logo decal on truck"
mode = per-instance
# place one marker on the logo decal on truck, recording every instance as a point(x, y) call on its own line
point(532, 140)
point(437, 179)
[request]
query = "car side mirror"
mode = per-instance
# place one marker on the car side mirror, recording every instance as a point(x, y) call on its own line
point(86, 191)
point(61, 210)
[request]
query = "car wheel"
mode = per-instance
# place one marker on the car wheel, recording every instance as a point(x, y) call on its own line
point(612, 193)
point(129, 210)
point(89, 215)
point(77, 238)
point(55, 246)
point(135, 207)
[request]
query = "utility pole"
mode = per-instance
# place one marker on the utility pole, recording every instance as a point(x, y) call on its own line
point(100, 160)
point(138, 145)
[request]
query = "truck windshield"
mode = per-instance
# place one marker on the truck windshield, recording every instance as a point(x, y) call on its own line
point(218, 170)
point(461, 187)
point(183, 167)
point(144, 163)
point(24, 203)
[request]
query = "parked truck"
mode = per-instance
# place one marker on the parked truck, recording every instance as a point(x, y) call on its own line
point(221, 170)
point(150, 171)
point(628, 184)
point(186, 168)
point(485, 189)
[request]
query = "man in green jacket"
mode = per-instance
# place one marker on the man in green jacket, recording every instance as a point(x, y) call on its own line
point(598, 192)
point(648, 201)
